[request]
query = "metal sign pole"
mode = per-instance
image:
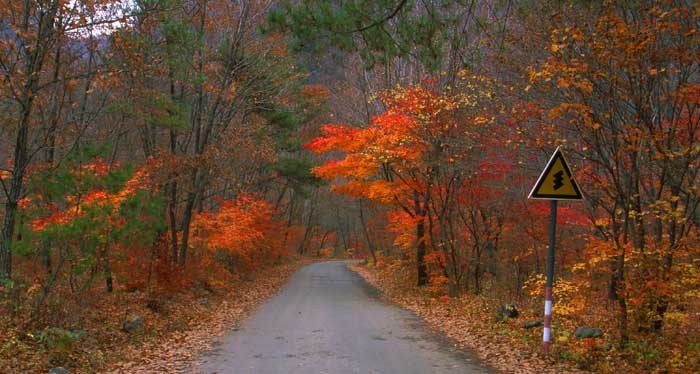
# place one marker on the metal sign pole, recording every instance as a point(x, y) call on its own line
point(555, 183)
point(550, 277)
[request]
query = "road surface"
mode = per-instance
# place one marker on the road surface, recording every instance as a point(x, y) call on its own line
point(328, 320)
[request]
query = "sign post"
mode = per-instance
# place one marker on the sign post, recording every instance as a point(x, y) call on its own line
point(555, 183)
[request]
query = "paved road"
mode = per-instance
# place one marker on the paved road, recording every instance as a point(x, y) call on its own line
point(328, 320)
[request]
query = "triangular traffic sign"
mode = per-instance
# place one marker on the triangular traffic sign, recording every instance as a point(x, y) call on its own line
point(556, 181)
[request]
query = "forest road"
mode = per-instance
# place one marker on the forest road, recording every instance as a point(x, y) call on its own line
point(327, 319)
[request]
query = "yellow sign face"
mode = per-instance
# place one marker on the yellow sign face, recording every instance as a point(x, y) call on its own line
point(556, 181)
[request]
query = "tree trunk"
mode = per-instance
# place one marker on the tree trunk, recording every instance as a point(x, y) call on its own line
point(421, 248)
point(172, 218)
point(420, 254)
point(323, 241)
point(301, 249)
point(172, 199)
point(200, 141)
point(450, 263)
point(622, 302)
point(8, 227)
point(477, 275)
point(20, 161)
point(370, 245)
point(108, 277)
point(48, 286)
point(186, 222)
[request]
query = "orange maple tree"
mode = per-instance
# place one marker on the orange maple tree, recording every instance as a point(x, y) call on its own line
point(412, 156)
point(243, 232)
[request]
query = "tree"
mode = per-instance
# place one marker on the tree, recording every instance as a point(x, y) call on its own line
point(405, 157)
point(447, 35)
point(201, 75)
point(253, 241)
point(36, 40)
point(86, 215)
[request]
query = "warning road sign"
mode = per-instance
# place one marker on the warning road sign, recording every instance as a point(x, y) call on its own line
point(556, 181)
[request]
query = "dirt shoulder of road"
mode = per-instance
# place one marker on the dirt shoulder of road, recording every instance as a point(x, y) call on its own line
point(177, 352)
point(465, 325)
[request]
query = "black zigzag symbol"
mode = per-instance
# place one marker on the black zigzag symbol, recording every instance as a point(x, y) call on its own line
point(558, 179)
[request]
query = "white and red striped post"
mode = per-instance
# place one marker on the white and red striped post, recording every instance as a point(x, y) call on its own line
point(546, 336)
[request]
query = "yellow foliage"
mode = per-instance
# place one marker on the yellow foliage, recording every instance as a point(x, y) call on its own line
point(568, 296)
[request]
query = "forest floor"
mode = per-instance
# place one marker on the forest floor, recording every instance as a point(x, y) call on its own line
point(471, 326)
point(175, 329)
